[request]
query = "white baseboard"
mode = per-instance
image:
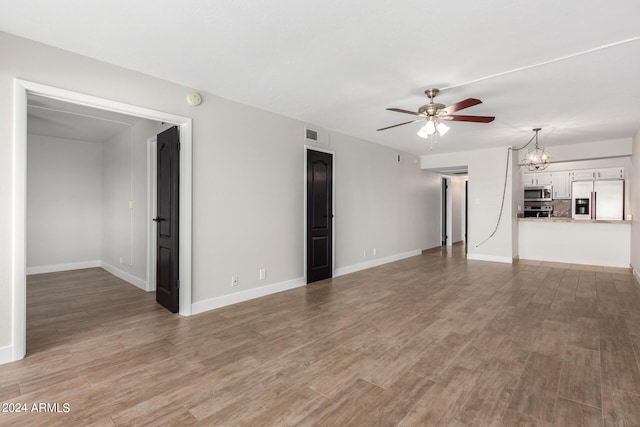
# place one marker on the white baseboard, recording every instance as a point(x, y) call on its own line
point(6, 354)
point(490, 258)
point(213, 303)
point(374, 263)
point(62, 267)
point(142, 284)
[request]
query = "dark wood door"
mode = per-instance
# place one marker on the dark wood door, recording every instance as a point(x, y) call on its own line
point(319, 215)
point(444, 211)
point(466, 210)
point(167, 284)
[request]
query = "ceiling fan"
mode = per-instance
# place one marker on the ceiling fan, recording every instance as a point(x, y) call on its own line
point(433, 113)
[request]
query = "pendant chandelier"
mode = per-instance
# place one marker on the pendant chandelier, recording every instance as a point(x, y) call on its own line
point(537, 158)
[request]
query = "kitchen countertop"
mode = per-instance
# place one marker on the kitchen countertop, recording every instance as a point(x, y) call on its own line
point(567, 219)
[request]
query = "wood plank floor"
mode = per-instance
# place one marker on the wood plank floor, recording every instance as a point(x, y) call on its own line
point(430, 340)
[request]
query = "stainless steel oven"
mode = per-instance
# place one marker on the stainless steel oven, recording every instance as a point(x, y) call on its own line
point(538, 193)
point(538, 211)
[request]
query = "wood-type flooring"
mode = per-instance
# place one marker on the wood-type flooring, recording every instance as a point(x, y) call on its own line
point(430, 340)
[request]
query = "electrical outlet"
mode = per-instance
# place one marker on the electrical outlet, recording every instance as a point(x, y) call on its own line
point(374, 252)
point(120, 260)
point(262, 274)
point(234, 280)
point(364, 253)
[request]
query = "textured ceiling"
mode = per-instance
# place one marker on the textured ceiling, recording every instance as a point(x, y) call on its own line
point(570, 67)
point(60, 119)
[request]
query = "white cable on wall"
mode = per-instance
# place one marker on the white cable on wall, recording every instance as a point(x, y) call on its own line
point(504, 189)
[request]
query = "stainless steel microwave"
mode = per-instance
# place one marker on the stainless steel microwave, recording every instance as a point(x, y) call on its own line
point(538, 193)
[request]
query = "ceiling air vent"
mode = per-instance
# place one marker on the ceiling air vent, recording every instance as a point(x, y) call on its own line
point(310, 135)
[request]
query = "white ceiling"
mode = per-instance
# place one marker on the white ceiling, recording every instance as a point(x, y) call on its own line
point(571, 67)
point(51, 117)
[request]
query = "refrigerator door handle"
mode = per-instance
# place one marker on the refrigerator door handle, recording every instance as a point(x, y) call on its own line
point(593, 205)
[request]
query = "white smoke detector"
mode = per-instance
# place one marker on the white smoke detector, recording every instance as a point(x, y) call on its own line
point(194, 99)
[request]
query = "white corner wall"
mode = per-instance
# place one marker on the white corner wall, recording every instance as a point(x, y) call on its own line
point(124, 226)
point(63, 204)
point(457, 209)
point(381, 204)
point(486, 182)
point(634, 188)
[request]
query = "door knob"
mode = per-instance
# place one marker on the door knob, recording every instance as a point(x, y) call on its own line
point(158, 219)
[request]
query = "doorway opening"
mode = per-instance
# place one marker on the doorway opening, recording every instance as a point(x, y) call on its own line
point(454, 217)
point(22, 89)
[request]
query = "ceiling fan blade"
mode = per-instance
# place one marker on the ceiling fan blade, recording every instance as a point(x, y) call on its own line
point(477, 119)
point(400, 110)
point(400, 124)
point(469, 102)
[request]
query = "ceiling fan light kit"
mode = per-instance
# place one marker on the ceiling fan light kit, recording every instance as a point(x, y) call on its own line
point(428, 129)
point(434, 113)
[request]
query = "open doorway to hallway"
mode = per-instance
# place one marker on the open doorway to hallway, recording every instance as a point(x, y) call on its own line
point(454, 224)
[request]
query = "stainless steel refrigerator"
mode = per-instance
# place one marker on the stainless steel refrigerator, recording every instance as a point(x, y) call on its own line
point(598, 199)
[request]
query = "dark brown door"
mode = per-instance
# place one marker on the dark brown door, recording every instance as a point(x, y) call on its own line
point(167, 284)
point(319, 215)
point(444, 211)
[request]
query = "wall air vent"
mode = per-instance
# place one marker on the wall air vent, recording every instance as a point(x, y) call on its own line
point(316, 136)
point(310, 135)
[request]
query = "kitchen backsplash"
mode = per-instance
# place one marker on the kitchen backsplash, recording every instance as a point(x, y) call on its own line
point(561, 208)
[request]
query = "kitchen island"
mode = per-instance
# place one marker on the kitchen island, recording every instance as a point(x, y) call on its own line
point(573, 241)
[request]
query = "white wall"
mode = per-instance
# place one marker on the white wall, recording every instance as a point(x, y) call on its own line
point(124, 230)
point(634, 188)
point(247, 179)
point(517, 204)
point(457, 209)
point(486, 182)
point(63, 203)
point(381, 203)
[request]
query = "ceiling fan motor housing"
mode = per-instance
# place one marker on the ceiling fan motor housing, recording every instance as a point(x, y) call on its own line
point(431, 109)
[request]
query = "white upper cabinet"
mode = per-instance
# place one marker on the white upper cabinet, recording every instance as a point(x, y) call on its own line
point(537, 178)
point(529, 179)
point(605, 173)
point(583, 175)
point(609, 173)
point(544, 178)
point(562, 185)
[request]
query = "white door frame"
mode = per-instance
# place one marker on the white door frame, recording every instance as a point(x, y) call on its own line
point(18, 238)
point(152, 208)
point(333, 208)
